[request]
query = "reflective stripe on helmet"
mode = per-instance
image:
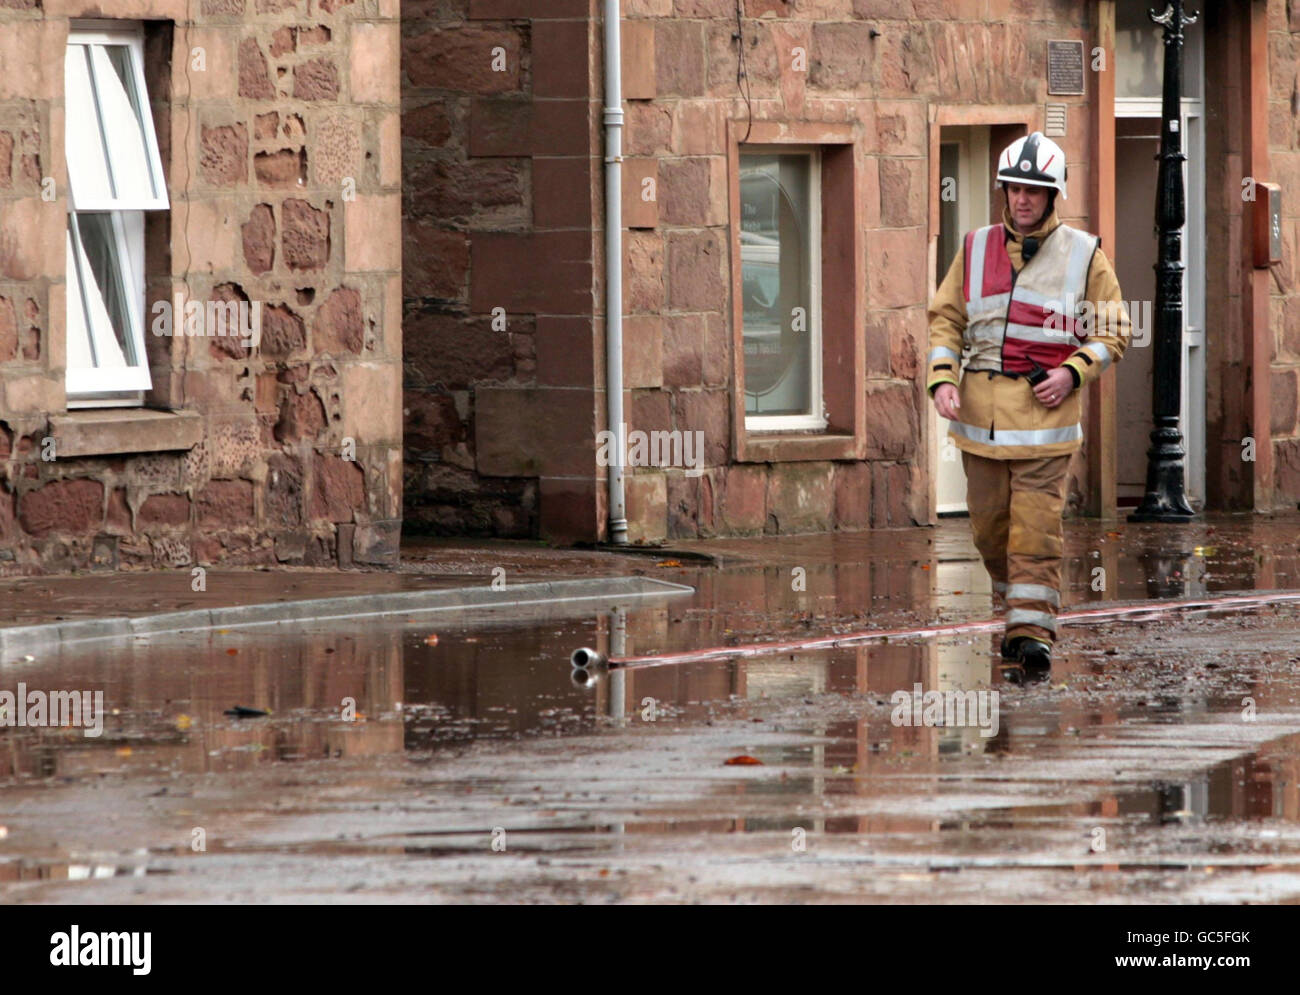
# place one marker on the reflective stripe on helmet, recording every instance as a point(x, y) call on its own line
point(1035, 160)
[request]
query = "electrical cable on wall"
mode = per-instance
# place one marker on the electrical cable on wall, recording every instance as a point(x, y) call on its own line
point(742, 76)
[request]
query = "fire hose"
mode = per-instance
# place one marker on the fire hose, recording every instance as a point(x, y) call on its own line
point(588, 663)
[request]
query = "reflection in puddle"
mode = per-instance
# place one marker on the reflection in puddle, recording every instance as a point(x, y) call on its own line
point(351, 691)
point(54, 870)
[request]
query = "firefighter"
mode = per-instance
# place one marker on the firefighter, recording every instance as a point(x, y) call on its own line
point(1035, 307)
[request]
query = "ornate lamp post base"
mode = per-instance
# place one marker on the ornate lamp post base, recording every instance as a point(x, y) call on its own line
point(1165, 500)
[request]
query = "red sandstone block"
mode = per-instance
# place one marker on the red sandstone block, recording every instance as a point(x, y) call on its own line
point(467, 58)
point(647, 506)
point(559, 58)
point(435, 262)
point(696, 277)
point(1283, 399)
point(640, 193)
point(562, 192)
point(694, 191)
point(698, 128)
point(743, 503)
point(566, 352)
point(680, 63)
point(527, 432)
point(338, 488)
point(483, 10)
point(642, 351)
point(457, 353)
point(893, 426)
point(639, 61)
point(852, 496)
point(71, 506)
point(648, 411)
point(164, 509)
point(890, 486)
point(709, 413)
point(643, 272)
point(428, 124)
point(567, 427)
point(542, 273)
point(799, 497)
point(514, 127)
point(572, 510)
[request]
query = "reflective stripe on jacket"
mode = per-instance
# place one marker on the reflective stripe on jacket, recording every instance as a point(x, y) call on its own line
point(1005, 317)
point(1020, 318)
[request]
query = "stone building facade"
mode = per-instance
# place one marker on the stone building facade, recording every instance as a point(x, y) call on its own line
point(504, 286)
point(158, 157)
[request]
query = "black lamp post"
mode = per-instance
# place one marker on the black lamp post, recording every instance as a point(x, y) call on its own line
point(1166, 499)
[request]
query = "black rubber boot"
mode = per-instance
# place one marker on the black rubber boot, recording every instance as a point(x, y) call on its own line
point(1033, 654)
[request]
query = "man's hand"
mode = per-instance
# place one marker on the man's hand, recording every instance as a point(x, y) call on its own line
point(1055, 389)
point(946, 401)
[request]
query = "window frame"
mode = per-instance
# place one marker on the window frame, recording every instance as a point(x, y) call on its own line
point(815, 419)
point(101, 379)
point(112, 386)
point(131, 36)
point(842, 275)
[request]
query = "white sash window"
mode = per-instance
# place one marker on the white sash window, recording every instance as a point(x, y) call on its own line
point(114, 176)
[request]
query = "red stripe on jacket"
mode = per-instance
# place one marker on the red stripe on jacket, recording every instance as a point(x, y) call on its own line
point(1019, 355)
point(997, 263)
point(1020, 313)
point(965, 265)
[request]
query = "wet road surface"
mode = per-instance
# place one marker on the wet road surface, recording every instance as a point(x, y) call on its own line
point(1158, 763)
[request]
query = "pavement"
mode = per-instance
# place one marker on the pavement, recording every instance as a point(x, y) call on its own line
point(427, 565)
point(408, 759)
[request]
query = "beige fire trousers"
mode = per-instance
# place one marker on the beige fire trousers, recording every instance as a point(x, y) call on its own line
point(1015, 512)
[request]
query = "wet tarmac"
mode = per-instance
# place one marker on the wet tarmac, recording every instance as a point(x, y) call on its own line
point(1159, 761)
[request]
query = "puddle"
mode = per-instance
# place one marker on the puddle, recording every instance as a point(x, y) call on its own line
point(1178, 736)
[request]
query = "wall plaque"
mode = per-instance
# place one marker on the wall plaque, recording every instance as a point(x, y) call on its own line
point(1065, 68)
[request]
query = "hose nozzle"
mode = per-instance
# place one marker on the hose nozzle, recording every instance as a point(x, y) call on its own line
point(584, 678)
point(587, 659)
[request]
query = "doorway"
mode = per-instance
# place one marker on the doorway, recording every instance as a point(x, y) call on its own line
point(1138, 110)
point(963, 205)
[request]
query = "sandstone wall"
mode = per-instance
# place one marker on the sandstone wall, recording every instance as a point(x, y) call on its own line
point(278, 123)
point(1284, 300)
point(500, 129)
point(500, 182)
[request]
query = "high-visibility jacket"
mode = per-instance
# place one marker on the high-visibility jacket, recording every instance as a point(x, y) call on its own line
point(1063, 310)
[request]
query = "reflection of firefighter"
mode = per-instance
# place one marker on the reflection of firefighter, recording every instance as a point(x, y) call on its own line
point(1033, 335)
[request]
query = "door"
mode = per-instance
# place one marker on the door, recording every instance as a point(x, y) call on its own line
point(964, 185)
point(1139, 54)
point(963, 205)
point(1137, 143)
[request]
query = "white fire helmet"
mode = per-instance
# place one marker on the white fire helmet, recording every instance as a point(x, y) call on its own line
point(1036, 161)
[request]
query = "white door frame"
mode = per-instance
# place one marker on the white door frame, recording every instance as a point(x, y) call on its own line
point(973, 186)
point(1191, 126)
